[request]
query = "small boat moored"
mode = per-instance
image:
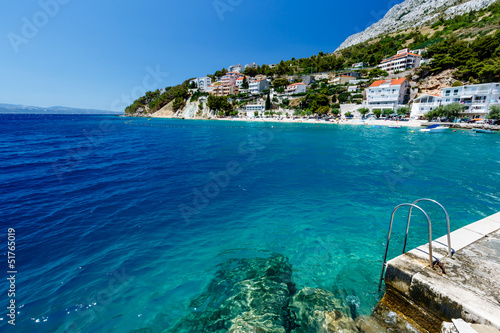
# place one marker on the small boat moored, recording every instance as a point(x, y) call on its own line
point(434, 128)
point(478, 130)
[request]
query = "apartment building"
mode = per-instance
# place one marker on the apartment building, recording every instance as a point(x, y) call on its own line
point(403, 60)
point(476, 99)
point(258, 86)
point(388, 94)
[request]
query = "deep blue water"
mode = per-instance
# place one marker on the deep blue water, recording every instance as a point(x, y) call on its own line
point(121, 222)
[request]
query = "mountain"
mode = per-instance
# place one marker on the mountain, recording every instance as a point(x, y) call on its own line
point(23, 109)
point(415, 13)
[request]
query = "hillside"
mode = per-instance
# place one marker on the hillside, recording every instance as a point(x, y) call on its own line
point(414, 14)
point(464, 48)
point(24, 109)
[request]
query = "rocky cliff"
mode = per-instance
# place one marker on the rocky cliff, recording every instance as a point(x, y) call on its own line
point(415, 13)
point(195, 109)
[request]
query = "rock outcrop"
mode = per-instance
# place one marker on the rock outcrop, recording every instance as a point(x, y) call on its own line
point(258, 295)
point(195, 109)
point(415, 13)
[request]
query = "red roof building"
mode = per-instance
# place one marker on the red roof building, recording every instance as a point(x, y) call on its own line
point(400, 62)
point(388, 93)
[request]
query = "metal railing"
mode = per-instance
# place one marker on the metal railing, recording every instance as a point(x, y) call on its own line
point(411, 205)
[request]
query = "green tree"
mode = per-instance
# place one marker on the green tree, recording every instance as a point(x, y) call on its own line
point(403, 110)
point(363, 112)
point(336, 111)
point(348, 114)
point(268, 102)
point(343, 97)
point(250, 71)
point(280, 82)
point(193, 85)
point(376, 72)
point(377, 112)
point(244, 84)
point(322, 110)
point(179, 103)
point(494, 112)
point(388, 112)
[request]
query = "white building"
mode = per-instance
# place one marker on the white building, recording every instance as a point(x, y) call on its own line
point(250, 109)
point(400, 62)
point(387, 94)
point(476, 99)
point(235, 68)
point(424, 104)
point(203, 82)
point(258, 86)
point(252, 65)
point(296, 88)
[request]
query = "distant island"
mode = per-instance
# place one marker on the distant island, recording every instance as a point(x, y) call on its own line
point(24, 109)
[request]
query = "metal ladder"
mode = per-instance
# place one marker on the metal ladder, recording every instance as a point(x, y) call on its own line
point(407, 229)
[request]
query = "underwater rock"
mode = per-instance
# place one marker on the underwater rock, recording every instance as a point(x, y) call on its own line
point(246, 295)
point(316, 310)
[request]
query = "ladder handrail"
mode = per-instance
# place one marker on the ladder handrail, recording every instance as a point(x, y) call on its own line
point(447, 223)
point(389, 238)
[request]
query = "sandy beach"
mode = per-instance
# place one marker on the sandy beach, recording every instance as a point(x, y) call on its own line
point(355, 121)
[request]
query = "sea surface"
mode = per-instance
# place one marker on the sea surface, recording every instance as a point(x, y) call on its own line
point(121, 222)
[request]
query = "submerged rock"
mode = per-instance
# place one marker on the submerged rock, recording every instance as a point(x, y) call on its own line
point(246, 295)
point(316, 310)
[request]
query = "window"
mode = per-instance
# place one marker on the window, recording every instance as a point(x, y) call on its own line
point(455, 92)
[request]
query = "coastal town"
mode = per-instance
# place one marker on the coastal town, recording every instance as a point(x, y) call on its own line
point(388, 90)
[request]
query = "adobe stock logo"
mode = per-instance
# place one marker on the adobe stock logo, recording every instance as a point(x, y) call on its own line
point(30, 28)
point(223, 6)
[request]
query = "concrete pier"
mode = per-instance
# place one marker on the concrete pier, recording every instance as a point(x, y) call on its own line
point(469, 290)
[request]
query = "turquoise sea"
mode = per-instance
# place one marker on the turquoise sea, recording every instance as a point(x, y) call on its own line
point(121, 222)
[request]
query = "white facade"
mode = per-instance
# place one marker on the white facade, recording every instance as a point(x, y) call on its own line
point(387, 94)
point(203, 83)
point(258, 86)
point(235, 68)
point(296, 88)
point(424, 104)
point(400, 62)
point(250, 109)
point(476, 99)
point(252, 65)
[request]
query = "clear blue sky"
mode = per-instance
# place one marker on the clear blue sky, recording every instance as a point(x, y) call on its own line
point(95, 54)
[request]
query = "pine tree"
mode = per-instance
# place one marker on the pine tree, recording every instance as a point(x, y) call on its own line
point(244, 84)
point(268, 102)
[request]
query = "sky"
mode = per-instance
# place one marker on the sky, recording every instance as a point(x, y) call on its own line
point(105, 54)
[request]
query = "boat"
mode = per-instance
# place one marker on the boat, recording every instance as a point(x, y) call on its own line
point(478, 130)
point(434, 128)
point(394, 126)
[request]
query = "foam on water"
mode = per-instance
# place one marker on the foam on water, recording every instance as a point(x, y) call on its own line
point(102, 244)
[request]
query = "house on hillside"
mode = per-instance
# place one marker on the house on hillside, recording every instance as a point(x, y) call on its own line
point(235, 68)
point(403, 60)
point(342, 79)
point(388, 94)
point(258, 86)
point(252, 65)
point(296, 88)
